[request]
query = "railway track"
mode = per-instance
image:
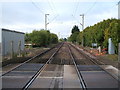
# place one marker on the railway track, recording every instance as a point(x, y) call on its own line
point(26, 72)
point(35, 59)
point(77, 70)
point(53, 74)
point(79, 73)
point(89, 59)
point(88, 73)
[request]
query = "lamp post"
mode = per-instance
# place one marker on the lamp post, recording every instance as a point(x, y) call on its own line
point(46, 23)
point(82, 28)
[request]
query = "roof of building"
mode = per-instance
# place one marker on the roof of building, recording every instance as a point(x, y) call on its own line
point(12, 31)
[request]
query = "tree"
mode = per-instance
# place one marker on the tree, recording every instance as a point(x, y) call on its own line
point(100, 33)
point(41, 37)
point(65, 39)
point(75, 29)
point(27, 38)
point(62, 39)
point(73, 37)
point(79, 37)
point(53, 38)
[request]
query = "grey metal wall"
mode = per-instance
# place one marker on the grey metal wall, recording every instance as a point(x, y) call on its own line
point(7, 38)
point(0, 35)
point(0, 41)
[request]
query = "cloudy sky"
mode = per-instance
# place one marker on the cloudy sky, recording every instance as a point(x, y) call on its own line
point(27, 15)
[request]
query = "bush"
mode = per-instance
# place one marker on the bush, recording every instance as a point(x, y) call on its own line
point(41, 38)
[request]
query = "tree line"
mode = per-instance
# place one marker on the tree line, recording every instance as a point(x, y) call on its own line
point(98, 33)
point(41, 38)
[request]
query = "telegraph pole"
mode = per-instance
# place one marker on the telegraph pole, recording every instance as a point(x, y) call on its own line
point(82, 28)
point(46, 21)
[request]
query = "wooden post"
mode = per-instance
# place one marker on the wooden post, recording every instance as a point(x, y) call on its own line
point(19, 48)
point(12, 52)
point(119, 53)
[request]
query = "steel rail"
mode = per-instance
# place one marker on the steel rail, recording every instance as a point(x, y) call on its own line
point(42, 53)
point(95, 61)
point(84, 87)
point(41, 69)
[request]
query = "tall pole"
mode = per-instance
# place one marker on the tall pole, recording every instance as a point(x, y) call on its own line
point(82, 21)
point(82, 28)
point(46, 21)
point(119, 10)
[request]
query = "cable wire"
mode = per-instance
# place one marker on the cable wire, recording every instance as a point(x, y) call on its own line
point(76, 9)
point(53, 18)
point(37, 7)
point(90, 7)
point(51, 6)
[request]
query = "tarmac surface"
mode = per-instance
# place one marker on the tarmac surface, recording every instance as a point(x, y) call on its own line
point(57, 76)
point(60, 76)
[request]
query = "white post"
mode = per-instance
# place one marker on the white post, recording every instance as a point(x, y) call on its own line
point(111, 49)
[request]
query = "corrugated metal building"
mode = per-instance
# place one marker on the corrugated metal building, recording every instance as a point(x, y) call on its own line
point(0, 43)
point(12, 42)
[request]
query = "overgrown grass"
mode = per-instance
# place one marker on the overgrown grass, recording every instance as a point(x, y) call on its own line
point(113, 57)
